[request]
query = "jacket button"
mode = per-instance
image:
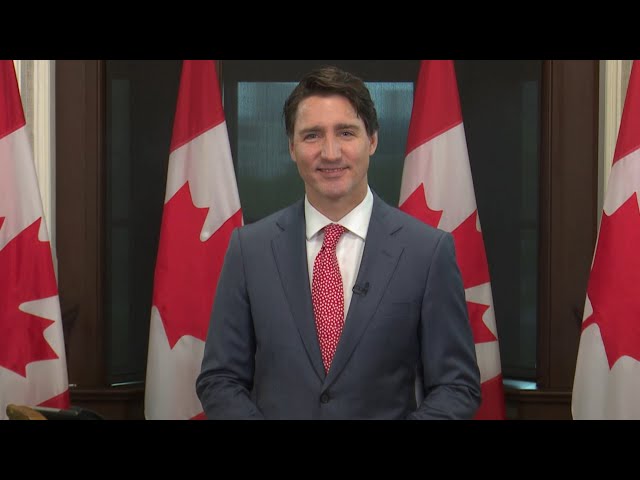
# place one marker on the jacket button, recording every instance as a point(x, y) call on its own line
point(324, 398)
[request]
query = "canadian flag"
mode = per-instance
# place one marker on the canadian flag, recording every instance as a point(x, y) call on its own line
point(33, 366)
point(437, 188)
point(201, 209)
point(607, 378)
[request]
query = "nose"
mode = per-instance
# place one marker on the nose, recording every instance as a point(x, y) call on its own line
point(331, 149)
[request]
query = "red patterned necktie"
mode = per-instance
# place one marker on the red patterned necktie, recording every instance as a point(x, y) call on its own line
point(327, 294)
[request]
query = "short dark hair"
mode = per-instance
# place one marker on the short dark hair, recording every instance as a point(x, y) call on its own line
point(330, 80)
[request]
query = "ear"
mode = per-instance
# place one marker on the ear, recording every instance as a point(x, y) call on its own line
point(291, 151)
point(373, 143)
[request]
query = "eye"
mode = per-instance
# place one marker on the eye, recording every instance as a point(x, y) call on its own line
point(347, 133)
point(310, 136)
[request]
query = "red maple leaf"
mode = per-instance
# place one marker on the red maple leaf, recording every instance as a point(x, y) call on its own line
point(470, 252)
point(480, 331)
point(474, 268)
point(416, 206)
point(26, 275)
point(614, 282)
point(187, 269)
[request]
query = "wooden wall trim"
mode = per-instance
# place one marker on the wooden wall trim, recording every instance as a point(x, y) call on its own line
point(538, 404)
point(113, 403)
point(79, 194)
point(544, 245)
point(571, 176)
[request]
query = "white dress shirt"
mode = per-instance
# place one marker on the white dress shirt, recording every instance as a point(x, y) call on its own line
point(350, 246)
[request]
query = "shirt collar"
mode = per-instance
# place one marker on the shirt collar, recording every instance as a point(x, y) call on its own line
point(356, 221)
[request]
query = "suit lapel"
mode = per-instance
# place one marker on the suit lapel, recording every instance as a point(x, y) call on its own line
point(289, 249)
point(379, 259)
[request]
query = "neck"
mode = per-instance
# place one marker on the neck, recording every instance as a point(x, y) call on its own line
point(335, 209)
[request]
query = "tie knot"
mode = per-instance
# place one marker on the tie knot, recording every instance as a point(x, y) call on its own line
point(332, 234)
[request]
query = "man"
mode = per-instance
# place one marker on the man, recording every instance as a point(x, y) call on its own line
point(337, 306)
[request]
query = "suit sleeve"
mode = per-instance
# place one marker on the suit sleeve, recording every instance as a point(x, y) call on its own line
point(451, 378)
point(226, 377)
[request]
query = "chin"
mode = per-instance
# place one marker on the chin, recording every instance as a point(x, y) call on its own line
point(334, 193)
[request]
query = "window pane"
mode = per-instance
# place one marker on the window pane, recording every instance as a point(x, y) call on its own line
point(267, 177)
point(500, 103)
point(140, 105)
point(393, 100)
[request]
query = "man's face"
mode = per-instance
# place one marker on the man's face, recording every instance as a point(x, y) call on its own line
point(331, 148)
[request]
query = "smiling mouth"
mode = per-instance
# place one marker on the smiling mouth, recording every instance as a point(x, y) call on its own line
point(331, 170)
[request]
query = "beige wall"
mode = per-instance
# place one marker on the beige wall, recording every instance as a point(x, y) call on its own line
point(614, 78)
point(36, 79)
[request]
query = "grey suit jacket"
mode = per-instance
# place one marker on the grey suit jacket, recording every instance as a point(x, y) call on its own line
point(262, 358)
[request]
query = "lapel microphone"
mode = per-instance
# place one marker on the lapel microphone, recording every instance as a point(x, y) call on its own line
point(361, 289)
